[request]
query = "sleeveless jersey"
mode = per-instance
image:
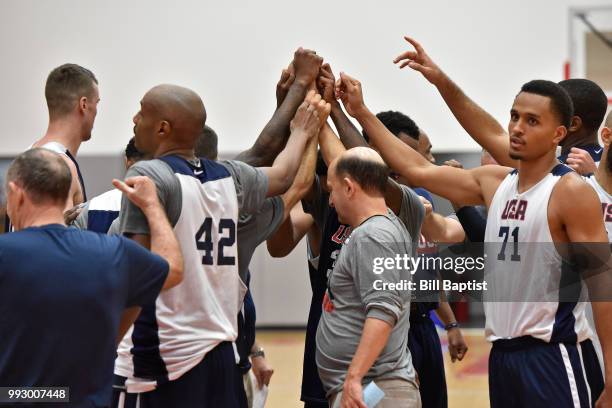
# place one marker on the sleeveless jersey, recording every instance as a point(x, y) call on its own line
point(102, 211)
point(173, 335)
point(606, 203)
point(522, 263)
point(60, 149)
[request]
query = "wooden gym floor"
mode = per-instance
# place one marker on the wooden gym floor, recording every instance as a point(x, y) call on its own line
point(466, 380)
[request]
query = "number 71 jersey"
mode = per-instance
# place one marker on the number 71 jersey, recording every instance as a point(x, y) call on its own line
point(526, 276)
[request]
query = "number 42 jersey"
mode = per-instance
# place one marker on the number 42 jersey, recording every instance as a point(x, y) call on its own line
point(203, 201)
point(525, 273)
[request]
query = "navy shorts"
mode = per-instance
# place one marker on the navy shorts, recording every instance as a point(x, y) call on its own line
point(426, 352)
point(215, 382)
point(526, 372)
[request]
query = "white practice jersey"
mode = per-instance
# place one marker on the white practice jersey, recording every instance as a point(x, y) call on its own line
point(522, 263)
point(192, 318)
point(606, 203)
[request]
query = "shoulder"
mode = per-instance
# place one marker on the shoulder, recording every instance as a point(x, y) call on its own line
point(146, 167)
point(236, 168)
point(567, 190)
point(379, 228)
point(157, 170)
point(493, 171)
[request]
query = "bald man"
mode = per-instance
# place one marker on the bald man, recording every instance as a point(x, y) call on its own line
point(360, 307)
point(179, 352)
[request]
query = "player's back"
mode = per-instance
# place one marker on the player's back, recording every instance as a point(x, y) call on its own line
point(524, 269)
point(61, 297)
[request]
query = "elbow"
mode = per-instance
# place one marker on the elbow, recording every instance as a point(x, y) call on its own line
point(284, 183)
point(175, 274)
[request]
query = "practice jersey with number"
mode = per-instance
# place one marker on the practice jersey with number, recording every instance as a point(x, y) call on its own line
point(606, 203)
point(173, 335)
point(522, 263)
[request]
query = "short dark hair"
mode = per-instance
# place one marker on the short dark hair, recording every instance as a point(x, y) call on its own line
point(65, 85)
point(590, 101)
point(560, 102)
point(131, 152)
point(369, 174)
point(397, 122)
point(206, 144)
point(43, 174)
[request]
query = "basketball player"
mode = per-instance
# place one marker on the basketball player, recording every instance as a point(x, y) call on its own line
point(589, 100)
point(536, 359)
point(179, 352)
point(602, 179)
point(72, 98)
point(98, 214)
point(67, 296)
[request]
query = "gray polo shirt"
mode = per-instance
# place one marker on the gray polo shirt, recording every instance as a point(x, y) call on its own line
point(354, 297)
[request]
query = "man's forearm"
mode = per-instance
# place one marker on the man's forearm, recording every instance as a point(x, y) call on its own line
point(444, 311)
point(285, 166)
point(304, 177)
point(165, 244)
point(477, 122)
point(331, 147)
point(349, 135)
point(274, 135)
point(434, 227)
point(373, 340)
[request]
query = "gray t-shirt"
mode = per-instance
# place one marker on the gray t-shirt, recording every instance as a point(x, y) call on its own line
point(253, 229)
point(352, 297)
point(81, 220)
point(251, 188)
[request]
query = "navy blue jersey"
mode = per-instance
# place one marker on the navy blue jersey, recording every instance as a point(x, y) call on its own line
point(594, 150)
point(62, 294)
point(426, 300)
point(334, 233)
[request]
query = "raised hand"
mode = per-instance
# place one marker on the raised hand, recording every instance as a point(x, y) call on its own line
point(284, 83)
point(321, 105)
point(140, 190)
point(326, 83)
point(307, 64)
point(348, 90)
point(453, 163)
point(419, 61)
point(581, 161)
point(427, 205)
point(306, 118)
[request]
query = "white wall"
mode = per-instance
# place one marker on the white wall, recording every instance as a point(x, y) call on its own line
point(232, 53)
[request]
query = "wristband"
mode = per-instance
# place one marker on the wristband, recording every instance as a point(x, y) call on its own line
point(451, 326)
point(258, 353)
